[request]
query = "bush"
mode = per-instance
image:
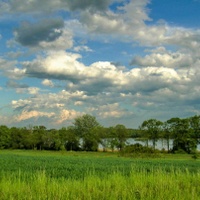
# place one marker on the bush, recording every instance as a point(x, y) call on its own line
point(179, 151)
point(138, 148)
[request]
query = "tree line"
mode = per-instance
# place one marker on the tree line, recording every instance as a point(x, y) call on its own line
point(86, 134)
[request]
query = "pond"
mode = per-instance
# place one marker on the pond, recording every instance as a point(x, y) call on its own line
point(160, 144)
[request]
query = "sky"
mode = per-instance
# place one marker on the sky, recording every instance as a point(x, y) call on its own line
point(122, 61)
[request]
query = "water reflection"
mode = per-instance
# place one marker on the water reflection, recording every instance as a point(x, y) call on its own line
point(160, 144)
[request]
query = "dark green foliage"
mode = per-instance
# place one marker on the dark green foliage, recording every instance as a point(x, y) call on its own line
point(87, 134)
point(86, 128)
point(5, 140)
point(182, 135)
point(195, 128)
point(69, 139)
point(121, 135)
point(152, 128)
point(138, 148)
point(195, 156)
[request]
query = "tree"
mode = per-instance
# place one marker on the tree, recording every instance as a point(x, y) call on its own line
point(5, 140)
point(152, 129)
point(69, 139)
point(182, 135)
point(195, 127)
point(104, 137)
point(17, 138)
point(121, 135)
point(167, 134)
point(39, 135)
point(85, 127)
point(52, 140)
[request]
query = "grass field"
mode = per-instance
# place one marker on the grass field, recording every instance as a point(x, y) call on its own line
point(86, 175)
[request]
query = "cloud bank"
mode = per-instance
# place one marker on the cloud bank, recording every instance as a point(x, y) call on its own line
point(58, 71)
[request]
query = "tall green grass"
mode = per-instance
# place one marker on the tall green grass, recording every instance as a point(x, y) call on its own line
point(43, 175)
point(156, 184)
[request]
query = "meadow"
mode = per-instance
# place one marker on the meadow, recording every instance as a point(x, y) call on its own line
point(96, 175)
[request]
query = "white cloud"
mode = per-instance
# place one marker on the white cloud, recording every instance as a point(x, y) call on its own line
point(166, 74)
point(82, 48)
point(47, 82)
point(28, 90)
point(6, 64)
point(15, 73)
point(67, 115)
point(159, 71)
point(64, 41)
point(32, 114)
point(111, 111)
point(53, 5)
point(168, 59)
point(58, 65)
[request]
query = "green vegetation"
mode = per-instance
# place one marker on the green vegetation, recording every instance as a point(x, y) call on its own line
point(96, 175)
point(86, 134)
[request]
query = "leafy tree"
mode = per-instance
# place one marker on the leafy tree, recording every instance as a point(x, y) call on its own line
point(39, 135)
point(85, 127)
point(182, 135)
point(112, 141)
point(26, 138)
point(5, 140)
point(152, 129)
point(69, 138)
point(62, 135)
point(104, 137)
point(167, 134)
point(52, 140)
point(17, 138)
point(195, 127)
point(121, 135)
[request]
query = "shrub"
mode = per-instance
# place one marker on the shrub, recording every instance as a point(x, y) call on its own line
point(138, 148)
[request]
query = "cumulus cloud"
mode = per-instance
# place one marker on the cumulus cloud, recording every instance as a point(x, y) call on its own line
point(7, 64)
point(13, 84)
point(15, 73)
point(9, 69)
point(167, 72)
point(53, 5)
point(57, 65)
point(20, 104)
point(65, 66)
point(82, 48)
point(31, 34)
point(54, 101)
point(47, 82)
point(32, 114)
point(106, 77)
point(129, 23)
point(66, 115)
point(167, 59)
point(111, 111)
point(59, 104)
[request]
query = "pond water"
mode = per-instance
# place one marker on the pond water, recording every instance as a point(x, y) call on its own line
point(160, 144)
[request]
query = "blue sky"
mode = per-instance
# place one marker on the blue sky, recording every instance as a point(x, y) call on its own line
point(122, 61)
